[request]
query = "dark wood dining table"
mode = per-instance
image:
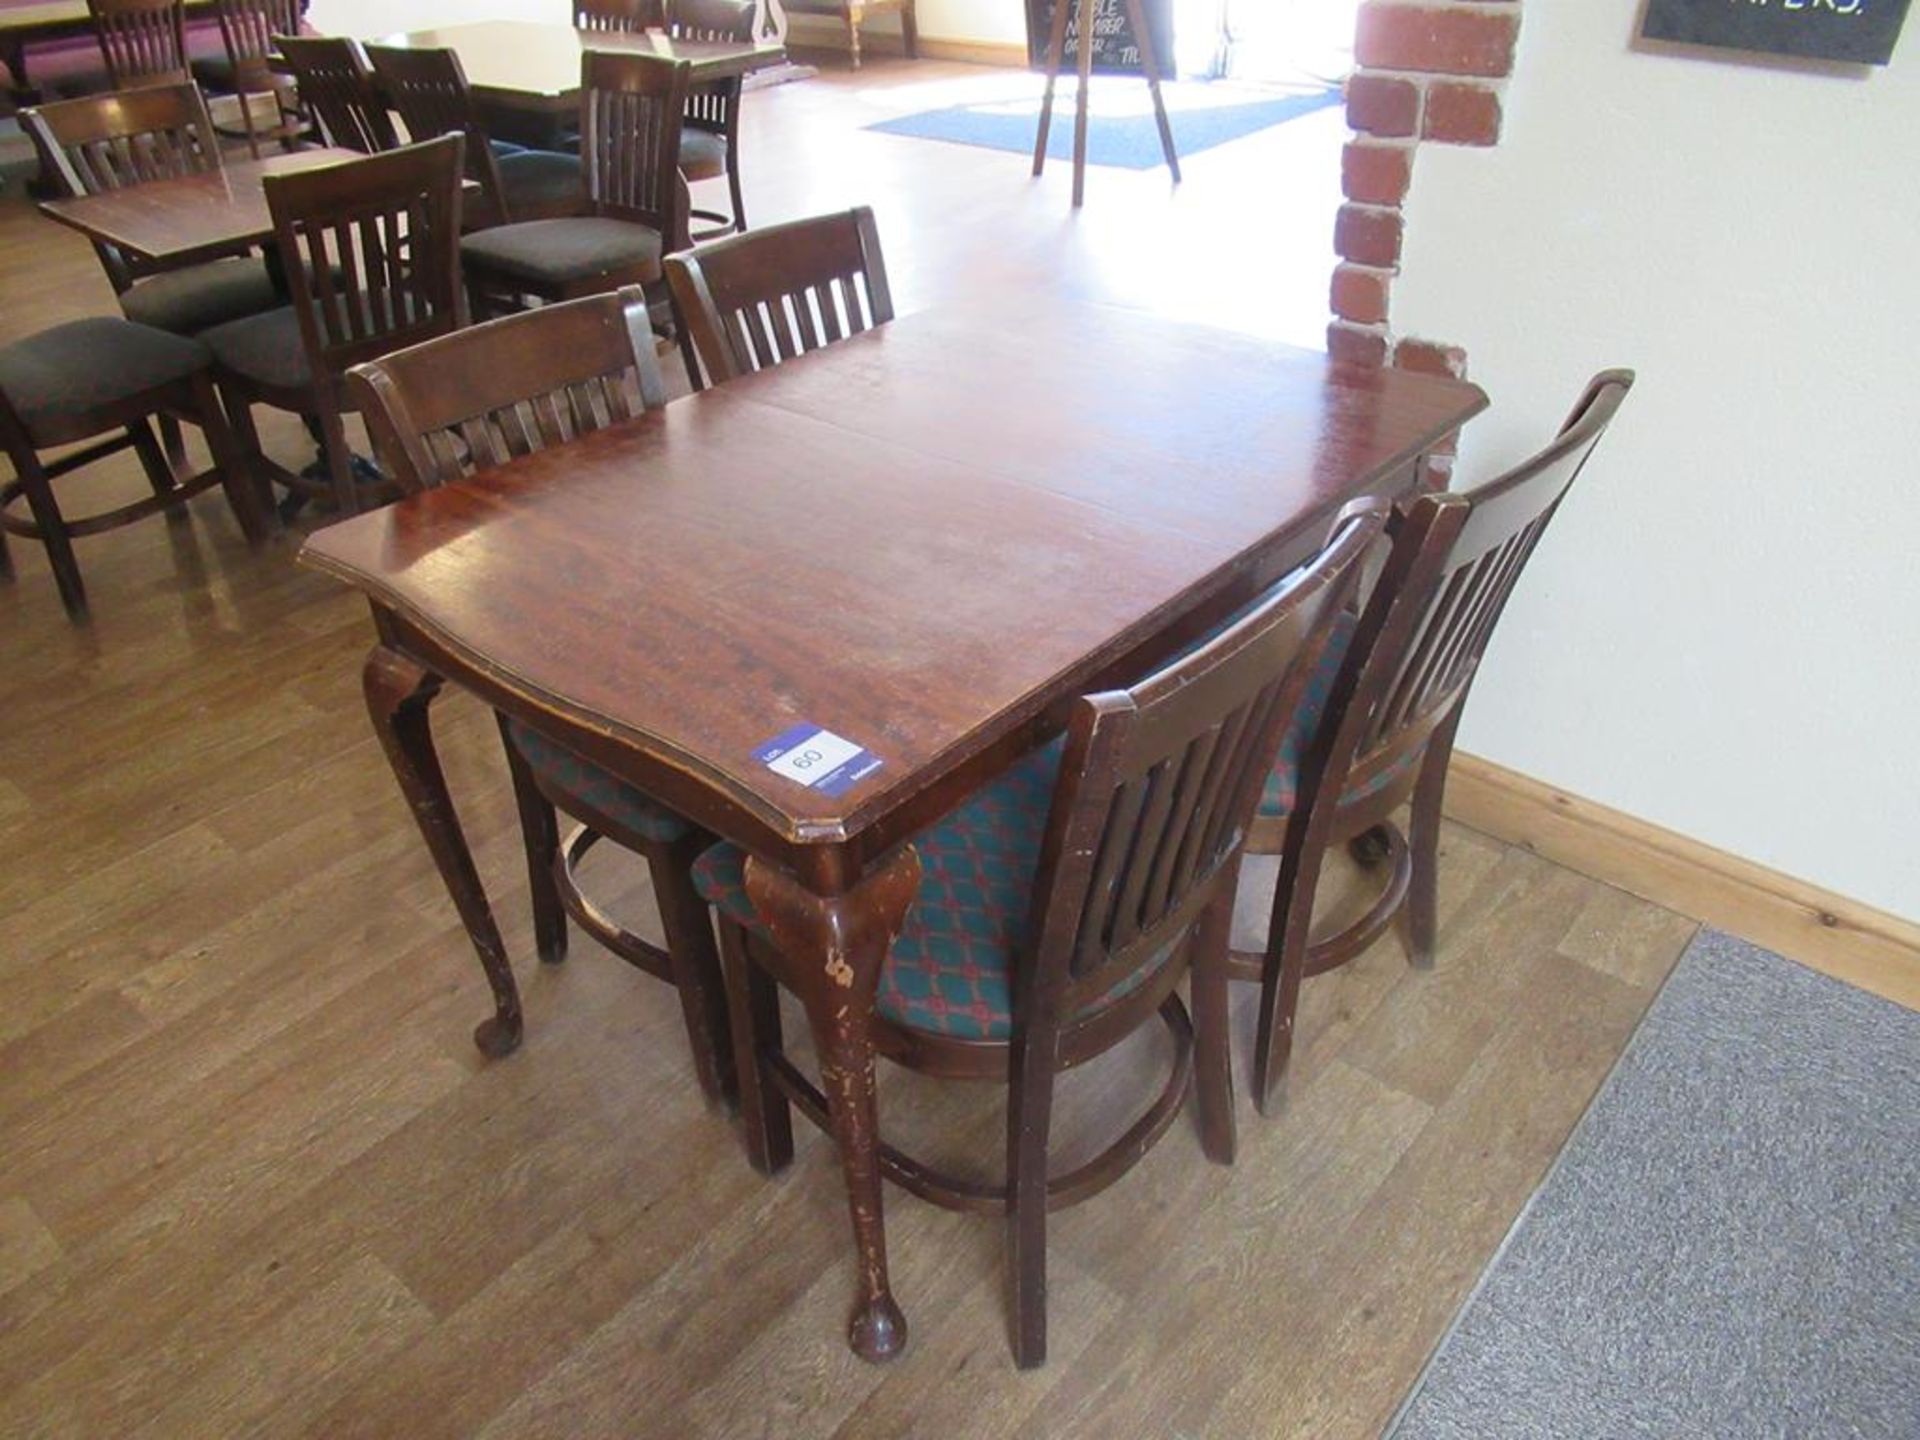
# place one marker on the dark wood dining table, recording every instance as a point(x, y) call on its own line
point(926, 540)
point(194, 217)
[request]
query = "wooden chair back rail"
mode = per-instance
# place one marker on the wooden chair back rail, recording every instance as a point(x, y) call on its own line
point(630, 139)
point(635, 15)
point(753, 300)
point(336, 87)
point(108, 142)
point(485, 395)
point(141, 40)
point(247, 27)
point(1159, 783)
point(380, 239)
point(1477, 547)
point(429, 89)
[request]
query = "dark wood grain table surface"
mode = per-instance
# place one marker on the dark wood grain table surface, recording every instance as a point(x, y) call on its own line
point(171, 222)
point(926, 539)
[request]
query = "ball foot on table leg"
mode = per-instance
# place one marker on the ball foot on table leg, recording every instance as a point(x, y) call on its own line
point(878, 1330)
point(497, 1036)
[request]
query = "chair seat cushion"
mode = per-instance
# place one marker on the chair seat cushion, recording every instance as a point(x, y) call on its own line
point(542, 183)
point(565, 773)
point(264, 348)
point(213, 72)
point(703, 154)
point(54, 380)
point(555, 252)
point(950, 971)
point(1282, 790)
point(198, 297)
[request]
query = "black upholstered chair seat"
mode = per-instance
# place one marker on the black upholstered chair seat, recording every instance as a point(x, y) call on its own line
point(541, 182)
point(703, 154)
point(58, 377)
point(264, 348)
point(198, 297)
point(213, 72)
point(554, 252)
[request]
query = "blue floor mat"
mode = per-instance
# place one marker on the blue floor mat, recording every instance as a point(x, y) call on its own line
point(1130, 142)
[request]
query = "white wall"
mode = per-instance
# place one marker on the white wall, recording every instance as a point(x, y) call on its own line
point(1722, 632)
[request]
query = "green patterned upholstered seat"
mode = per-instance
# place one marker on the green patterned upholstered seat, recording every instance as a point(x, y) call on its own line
point(565, 772)
point(1283, 781)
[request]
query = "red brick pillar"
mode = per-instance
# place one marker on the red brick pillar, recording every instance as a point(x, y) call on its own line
point(1424, 70)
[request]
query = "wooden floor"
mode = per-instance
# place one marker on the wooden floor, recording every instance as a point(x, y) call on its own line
point(257, 1181)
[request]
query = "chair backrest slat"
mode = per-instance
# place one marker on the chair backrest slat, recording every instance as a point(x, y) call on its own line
point(719, 289)
point(1455, 561)
point(630, 139)
point(104, 142)
point(429, 90)
point(247, 28)
point(1158, 786)
point(477, 398)
point(143, 41)
point(714, 106)
point(336, 87)
point(631, 15)
point(379, 238)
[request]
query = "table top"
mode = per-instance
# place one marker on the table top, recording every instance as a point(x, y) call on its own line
point(529, 65)
point(919, 539)
point(173, 221)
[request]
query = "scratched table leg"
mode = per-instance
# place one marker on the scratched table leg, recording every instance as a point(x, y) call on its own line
point(836, 944)
point(399, 694)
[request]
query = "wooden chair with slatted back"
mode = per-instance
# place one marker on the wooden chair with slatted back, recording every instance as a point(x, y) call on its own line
point(636, 198)
point(1393, 686)
point(1059, 907)
point(753, 300)
point(245, 70)
point(475, 399)
point(336, 88)
point(379, 238)
point(106, 142)
point(144, 42)
point(710, 146)
point(632, 15)
point(428, 88)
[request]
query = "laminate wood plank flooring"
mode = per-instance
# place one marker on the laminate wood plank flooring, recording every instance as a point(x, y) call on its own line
point(257, 1180)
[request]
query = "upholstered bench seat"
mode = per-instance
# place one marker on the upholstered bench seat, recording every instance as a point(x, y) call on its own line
point(57, 378)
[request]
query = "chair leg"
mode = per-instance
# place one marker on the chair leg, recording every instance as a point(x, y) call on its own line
point(333, 445)
point(540, 830)
point(688, 928)
point(246, 438)
point(733, 187)
point(1212, 1030)
point(237, 476)
point(159, 470)
point(1289, 933)
point(173, 440)
point(853, 33)
point(753, 1004)
point(910, 31)
point(53, 534)
point(1029, 1119)
point(1423, 844)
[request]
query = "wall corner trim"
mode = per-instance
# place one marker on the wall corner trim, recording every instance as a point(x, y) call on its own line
point(1825, 931)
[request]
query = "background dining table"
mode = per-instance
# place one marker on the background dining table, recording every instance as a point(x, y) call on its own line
point(925, 540)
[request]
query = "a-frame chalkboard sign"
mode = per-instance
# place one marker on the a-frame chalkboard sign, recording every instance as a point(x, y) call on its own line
point(1112, 36)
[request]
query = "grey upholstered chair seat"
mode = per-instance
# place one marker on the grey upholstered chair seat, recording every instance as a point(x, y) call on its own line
point(553, 252)
point(198, 297)
point(541, 182)
point(703, 154)
point(265, 348)
point(54, 378)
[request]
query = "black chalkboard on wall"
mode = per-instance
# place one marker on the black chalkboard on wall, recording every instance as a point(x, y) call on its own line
point(1860, 31)
point(1115, 50)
